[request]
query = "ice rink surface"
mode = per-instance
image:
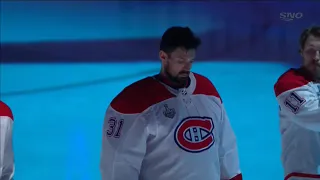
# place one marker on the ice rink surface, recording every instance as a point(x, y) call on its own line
point(59, 112)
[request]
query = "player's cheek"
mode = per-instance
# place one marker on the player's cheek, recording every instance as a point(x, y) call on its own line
point(309, 60)
point(178, 69)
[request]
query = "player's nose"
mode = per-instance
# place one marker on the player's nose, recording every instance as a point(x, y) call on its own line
point(187, 66)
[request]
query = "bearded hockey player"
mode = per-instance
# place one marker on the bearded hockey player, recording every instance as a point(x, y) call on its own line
point(6, 151)
point(171, 126)
point(298, 94)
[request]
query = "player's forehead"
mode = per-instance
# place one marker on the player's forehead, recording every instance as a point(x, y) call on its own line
point(183, 53)
point(313, 42)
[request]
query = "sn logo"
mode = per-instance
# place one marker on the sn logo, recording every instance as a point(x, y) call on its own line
point(289, 16)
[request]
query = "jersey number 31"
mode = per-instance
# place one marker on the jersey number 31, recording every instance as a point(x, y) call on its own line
point(114, 128)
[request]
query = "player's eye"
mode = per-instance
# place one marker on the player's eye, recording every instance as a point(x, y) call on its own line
point(181, 61)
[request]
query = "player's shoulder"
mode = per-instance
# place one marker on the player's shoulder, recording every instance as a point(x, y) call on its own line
point(205, 86)
point(291, 79)
point(139, 96)
point(5, 110)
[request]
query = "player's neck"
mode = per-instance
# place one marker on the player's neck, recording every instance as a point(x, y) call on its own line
point(315, 77)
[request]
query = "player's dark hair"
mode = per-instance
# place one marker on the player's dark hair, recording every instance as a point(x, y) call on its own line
point(176, 37)
point(312, 31)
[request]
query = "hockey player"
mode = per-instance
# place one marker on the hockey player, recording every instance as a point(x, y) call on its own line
point(298, 94)
point(6, 151)
point(171, 126)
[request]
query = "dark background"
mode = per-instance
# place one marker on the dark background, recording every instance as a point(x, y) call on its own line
point(129, 31)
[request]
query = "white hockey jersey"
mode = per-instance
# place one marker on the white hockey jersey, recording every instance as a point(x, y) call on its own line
point(6, 150)
point(299, 100)
point(154, 132)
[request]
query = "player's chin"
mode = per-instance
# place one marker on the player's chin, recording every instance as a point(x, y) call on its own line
point(183, 78)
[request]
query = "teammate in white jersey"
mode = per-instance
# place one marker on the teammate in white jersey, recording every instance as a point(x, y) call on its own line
point(298, 94)
point(6, 151)
point(172, 126)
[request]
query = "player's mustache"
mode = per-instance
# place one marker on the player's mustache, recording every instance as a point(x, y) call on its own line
point(184, 72)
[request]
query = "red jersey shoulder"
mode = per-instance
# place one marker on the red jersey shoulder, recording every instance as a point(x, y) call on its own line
point(139, 96)
point(291, 79)
point(5, 110)
point(205, 86)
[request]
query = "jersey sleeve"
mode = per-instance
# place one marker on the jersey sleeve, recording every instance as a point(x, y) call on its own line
point(6, 150)
point(300, 105)
point(228, 151)
point(123, 145)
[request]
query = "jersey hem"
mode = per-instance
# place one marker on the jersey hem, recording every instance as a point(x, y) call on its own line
point(302, 175)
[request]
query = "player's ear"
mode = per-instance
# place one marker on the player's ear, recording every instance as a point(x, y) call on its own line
point(163, 56)
point(300, 52)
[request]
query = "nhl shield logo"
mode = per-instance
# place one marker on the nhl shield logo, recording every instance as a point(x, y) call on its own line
point(195, 134)
point(169, 112)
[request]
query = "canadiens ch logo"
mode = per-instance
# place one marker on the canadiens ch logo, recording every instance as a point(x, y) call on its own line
point(195, 134)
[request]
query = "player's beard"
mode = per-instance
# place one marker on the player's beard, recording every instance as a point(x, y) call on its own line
point(176, 80)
